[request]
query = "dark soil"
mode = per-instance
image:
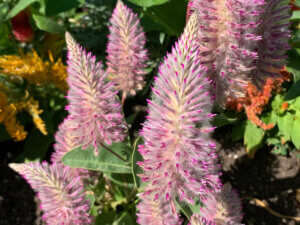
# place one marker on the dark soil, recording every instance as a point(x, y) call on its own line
point(271, 178)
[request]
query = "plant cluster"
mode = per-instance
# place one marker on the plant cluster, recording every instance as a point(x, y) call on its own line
point(230, 52)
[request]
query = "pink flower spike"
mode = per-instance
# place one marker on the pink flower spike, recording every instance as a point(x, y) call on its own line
point(61, 196)
point(156, 212)
point(93, 106)
point(241, 41)
point(127, 56)
point(176, 128)
point(223, 207)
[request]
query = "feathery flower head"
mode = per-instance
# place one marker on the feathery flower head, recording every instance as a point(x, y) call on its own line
point(126, 50)
point(155, 212)
point(65, 141)
point(93, 107)
point(221, 208)
point(241, 41)
point(179, 158)
point(271, 49)
point(61, 195)
point(21, 27)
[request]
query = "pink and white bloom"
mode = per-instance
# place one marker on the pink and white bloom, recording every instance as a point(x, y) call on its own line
point(62, 196)
point(222, 208)
point(126, 59)
point(179, 158)
point(241, 41)
point(93, 106)
point(155, 212)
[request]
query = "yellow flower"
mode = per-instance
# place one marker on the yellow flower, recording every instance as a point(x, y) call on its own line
point(32, 107)
point(32, 68)
point(8, 114)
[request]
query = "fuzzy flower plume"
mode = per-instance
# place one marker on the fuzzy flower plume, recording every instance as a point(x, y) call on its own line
point(61, 195)
point(65, 141)
point(93, 107)
point(275, 33)
point(241, 41)
point(153, 212)
point(221, 208)
point(179, 158)
point(126, 50)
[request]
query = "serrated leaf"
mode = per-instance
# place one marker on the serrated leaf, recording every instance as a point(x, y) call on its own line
point(21, 5)
point(47, 24)
point(148, 3)
point(253, 138)
point(105, 161)
point(295, 135)
point(285, 125)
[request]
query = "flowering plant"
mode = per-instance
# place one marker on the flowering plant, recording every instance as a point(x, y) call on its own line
point(103, 169)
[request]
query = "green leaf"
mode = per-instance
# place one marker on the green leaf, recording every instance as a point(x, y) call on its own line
point(36, 146)
point(106, 218)
point(125, 219)
point(285, 125)
point(273, 141)
point(253, 138)
point(148, 3)
point(136, 156)
point(54, 7)
point(238, 131)
point(221, 120)
point(295, 15)
point(293, 92)
point(169, 17)
point(294, 104)
point(21, 5)
point(293, 64)
point(46, 24)
point(269, 118)
point(105, 161)
point(295, 135)
point(277, 104)
point(124, 180)
point(91, 199)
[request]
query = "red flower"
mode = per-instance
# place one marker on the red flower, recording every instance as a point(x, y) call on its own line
point(22, 29)
point(294, 7)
